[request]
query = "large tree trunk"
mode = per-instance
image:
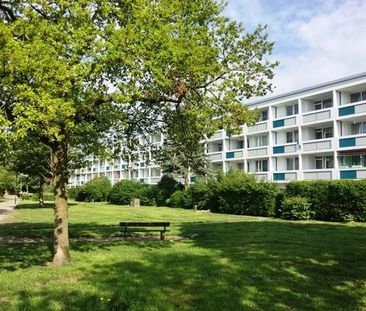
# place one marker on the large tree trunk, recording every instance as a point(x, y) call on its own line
point(60, 180)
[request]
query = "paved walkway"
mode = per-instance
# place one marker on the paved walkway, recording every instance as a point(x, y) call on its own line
point(6, 209)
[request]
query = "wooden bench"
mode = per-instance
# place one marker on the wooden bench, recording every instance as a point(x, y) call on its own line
point(145, 227)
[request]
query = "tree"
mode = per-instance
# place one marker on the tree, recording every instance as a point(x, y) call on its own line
point(71, 72)
point(183, 150)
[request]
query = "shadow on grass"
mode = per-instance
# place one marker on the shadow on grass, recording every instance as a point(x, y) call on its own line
point(249, 265)
point(35, 205)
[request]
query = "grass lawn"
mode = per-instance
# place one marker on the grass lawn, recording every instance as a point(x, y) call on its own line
point(228, 263)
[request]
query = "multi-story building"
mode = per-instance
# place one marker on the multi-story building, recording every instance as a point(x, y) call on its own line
point(316, 133)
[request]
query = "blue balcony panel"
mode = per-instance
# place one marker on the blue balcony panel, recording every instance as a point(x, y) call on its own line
point(230, 155)
point(347, 142)
point(279, 149)
point(279, 176)
point(345, 111)
point(278, 123)
point(348, 174)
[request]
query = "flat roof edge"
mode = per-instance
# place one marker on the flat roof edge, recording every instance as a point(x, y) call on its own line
point(307, 89)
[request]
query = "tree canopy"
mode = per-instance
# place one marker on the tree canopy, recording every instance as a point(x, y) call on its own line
point(75, 74)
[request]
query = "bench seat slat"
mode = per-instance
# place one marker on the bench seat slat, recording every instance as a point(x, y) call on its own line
point(145, 224)
point(147, 230)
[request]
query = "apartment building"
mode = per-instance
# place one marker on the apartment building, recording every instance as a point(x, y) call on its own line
point(316, 133)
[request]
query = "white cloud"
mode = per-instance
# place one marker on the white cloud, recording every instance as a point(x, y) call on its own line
point(315, 41)
point(334, 45)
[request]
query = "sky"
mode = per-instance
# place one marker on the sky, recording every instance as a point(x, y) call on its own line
point(315, 40)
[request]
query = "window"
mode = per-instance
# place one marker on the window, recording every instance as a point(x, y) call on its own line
point(240, 144)
point(354, 160)
point(219, 147)
point(324, 162)
point(327, 103)
point(261, 166)
point(292, 164)
point(263, 116)
point(358, 128)
point(317, 105)
point(292, 137)
point(260, 141)
point(356, 97)
point(292, 109)
point(323, 133)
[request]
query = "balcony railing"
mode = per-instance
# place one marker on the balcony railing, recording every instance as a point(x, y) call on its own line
point(353, 141)
point(260, 126)
point(288, 121)
point(257, 151)
point(317, 144)
point(318, 174)
point(350, 110)
point(215, 156)
point(353, 173)
point(234, 154)
point(316, 115)
point(288, 148)
point(285, 176)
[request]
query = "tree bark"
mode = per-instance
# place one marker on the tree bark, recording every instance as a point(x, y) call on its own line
point(60, 180)
point(41, 192)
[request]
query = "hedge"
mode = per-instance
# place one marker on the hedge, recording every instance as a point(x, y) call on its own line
point(124, 191)
point(338, 200)
point(95, 190)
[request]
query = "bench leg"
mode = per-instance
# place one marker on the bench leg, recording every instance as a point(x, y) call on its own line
point(162, 235)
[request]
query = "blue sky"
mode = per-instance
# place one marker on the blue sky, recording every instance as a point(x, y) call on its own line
point(315, 41)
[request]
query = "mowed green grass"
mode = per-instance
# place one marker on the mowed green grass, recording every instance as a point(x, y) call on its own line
point(227, 262)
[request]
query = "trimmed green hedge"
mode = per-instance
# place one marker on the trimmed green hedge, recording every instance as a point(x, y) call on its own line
point(96, 190)
point(338, 200)
point(124, 191)
point(295, 208)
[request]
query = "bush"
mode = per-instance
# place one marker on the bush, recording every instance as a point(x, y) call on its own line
point(124, 191)
point(295, 208)
point(181, 199)
point(165, 188)
point(238, 193)
point(96, 190)
point(339, 200)
point(73, 192)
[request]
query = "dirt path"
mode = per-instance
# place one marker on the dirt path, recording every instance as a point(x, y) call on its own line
point(6, 210)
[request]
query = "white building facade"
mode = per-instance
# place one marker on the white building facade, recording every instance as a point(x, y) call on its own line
point(317, 133)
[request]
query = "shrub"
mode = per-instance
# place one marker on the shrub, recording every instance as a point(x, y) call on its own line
point(238, 193)
point(339, 200)
point(165, 188)
point(124, 191)
point(73, 192)
point(295, 208)
point(181, 199)
point(199, 195)
point(96, 190)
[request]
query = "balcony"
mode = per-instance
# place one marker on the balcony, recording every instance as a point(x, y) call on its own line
point(317, 144)
point(353, 173)
point(320, 174)
point(288, 121)
point(217, 135)
point(258, 127)
point(317, 115)
point(261, 176)
point(217, 156)
point(257, 151)
point(288, 148)
point(353, 141)
point(234, 154)
point(350, 110)
point(285, 176)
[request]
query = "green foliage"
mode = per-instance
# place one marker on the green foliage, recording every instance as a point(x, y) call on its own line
point(124, 191)
point(165, 188)
point(340, 200)
point(238, 193)
point(180, 199)
point(95, 190)
point(73, 192)
point(295, 208)
point(8, 181)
